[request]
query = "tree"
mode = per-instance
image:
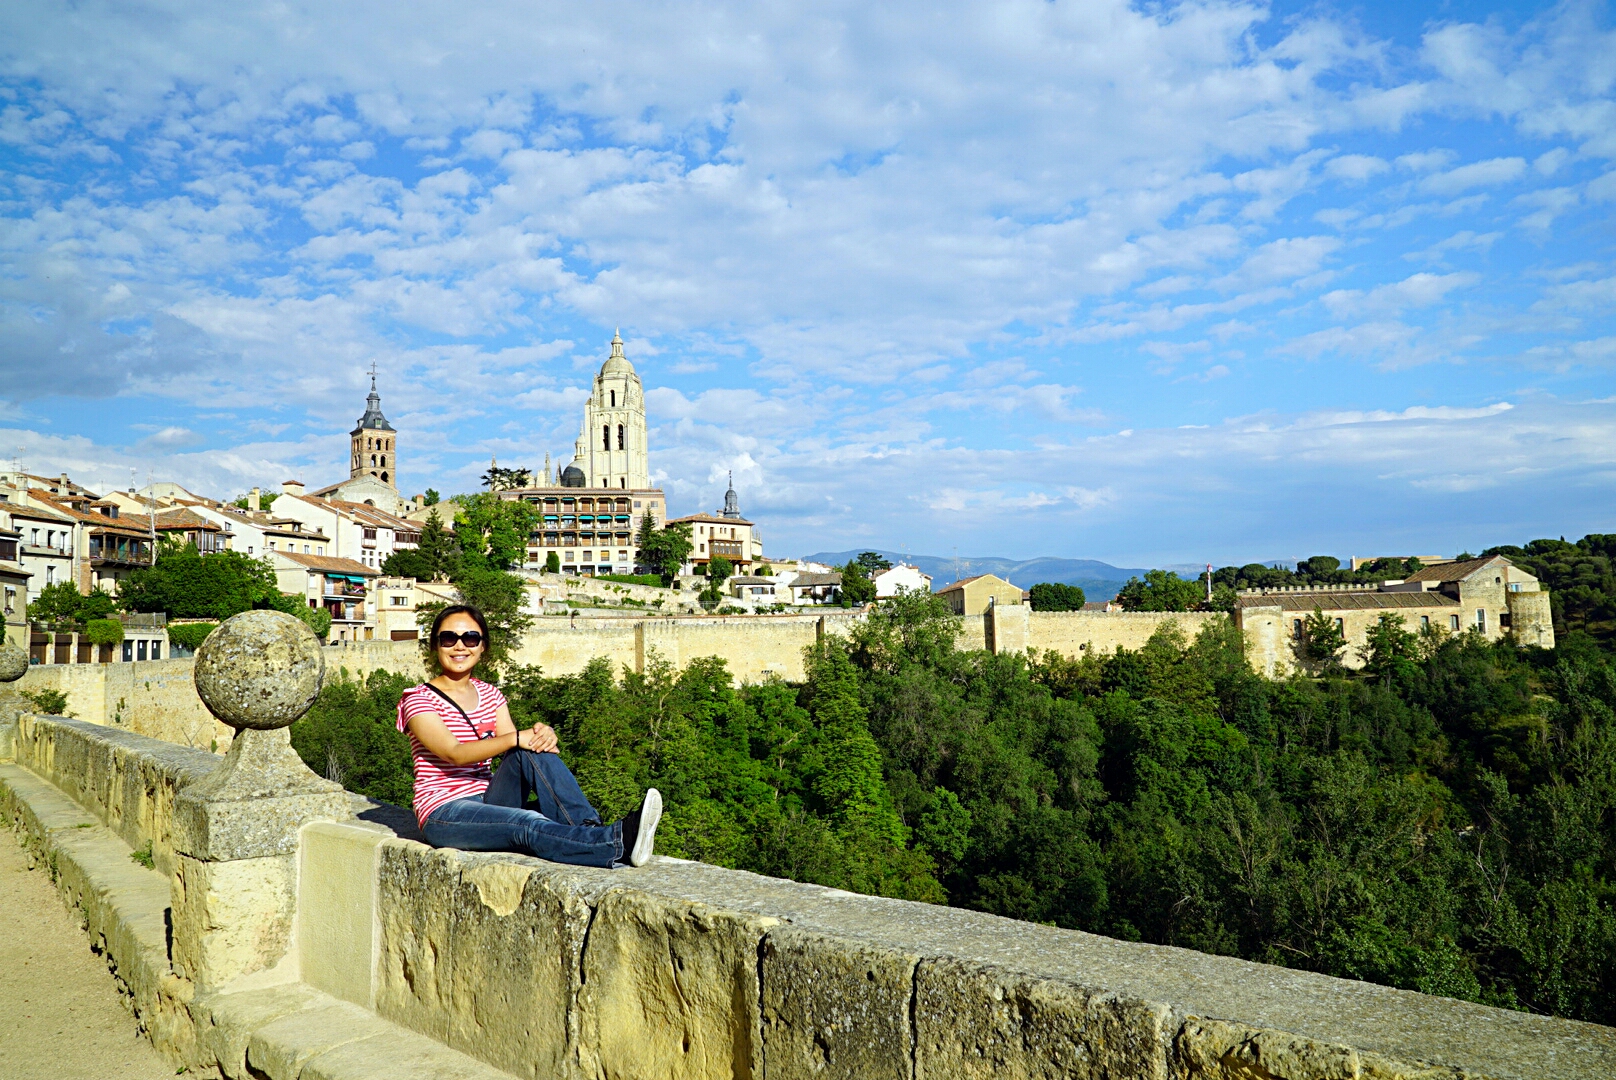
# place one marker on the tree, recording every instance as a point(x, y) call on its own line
point(431, 497)
point(872, 563)
point(1161, 590)
point(493, 532)
point(1389, 650)
point(498, 479)
point(1054, 596)
point(664, 551)
point(318, 619)
point(410, 563)
point(63, 603)
point(857, 588)
point(1322, 640)
point(438, 547)
point(189, 585)
point(103, 631)
point(719, 570)
point(552, 563)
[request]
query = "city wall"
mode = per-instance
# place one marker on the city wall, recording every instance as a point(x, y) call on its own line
point(407, 961)
point(155, 698)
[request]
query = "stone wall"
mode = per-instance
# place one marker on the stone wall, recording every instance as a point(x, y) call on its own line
point(1072, 633)
point(155, 698)
point(682, 970)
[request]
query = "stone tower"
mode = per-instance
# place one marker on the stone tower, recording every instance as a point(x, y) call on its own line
point(374, 453)
point(612, 450)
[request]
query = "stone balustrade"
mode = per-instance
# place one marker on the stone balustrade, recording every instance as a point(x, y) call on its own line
point(304, 943)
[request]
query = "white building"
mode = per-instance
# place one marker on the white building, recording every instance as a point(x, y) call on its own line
point(341, 586)
point(357, 531)
point(903, 576)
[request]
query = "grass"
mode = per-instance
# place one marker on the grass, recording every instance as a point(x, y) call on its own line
point(143, 856)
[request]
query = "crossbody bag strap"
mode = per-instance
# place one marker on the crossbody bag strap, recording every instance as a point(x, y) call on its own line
point(462, 712)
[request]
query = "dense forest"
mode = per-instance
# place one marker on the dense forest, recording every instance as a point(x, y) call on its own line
point(1444, 821)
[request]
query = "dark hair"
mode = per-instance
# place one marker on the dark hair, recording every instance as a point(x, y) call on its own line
point(457, 609)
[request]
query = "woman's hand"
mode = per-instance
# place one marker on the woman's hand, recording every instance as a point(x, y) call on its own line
point(540, 738)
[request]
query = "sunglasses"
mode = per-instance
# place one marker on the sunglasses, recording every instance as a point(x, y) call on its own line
point(448, 638)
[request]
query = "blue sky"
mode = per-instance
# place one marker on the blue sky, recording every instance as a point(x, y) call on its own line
point(1158, 283)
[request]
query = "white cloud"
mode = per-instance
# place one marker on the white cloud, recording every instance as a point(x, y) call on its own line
point(1478, 174)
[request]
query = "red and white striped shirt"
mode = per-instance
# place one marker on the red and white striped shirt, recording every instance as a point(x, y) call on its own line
point(438, 781)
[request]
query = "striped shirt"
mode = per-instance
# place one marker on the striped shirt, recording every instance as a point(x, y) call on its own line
point(438, 781)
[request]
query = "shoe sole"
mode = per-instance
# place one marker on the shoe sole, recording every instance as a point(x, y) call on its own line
point(650, 817)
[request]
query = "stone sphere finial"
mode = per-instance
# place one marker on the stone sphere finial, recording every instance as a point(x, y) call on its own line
point(13, 663)
point(260, 670)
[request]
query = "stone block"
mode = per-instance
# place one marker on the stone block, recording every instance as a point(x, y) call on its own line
point(336, 909)
point(670, 989)
point(225, 1022)
point(977, 1021)
point(395, 1056)
point(482, 952)
point(232, 918)
point(835, 1008)
point(279, 1049)
point(253, 805)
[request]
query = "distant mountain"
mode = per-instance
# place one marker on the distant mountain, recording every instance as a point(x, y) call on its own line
point(1098, 580)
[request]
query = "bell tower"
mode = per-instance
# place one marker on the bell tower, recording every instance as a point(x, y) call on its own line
point(611, 450)
point(374, 450)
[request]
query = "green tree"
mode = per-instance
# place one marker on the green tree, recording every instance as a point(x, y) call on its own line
point(1161, 590)
point(317, 619)
point(103, 631)
point(552, 563)
point(438, 547)
point(663, 551)
point(46, 702)
point(872, 563)
point(498, 479)
point(189, 585)
point(1322, 640)
point(410, 563)
point(1389, 650)
point(431, 497)
point(350, 736)
point(61, 602)
point(1053, 596)
point(719, 570)
point(190, 635)
point(857, 588)
point(493, 532)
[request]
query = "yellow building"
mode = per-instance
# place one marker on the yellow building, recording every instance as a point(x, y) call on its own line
point(974, 595)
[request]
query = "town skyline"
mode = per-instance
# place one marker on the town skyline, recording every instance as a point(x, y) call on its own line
point(1213, 284)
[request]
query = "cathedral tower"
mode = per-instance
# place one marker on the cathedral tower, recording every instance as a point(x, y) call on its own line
point(374, 454)
point(612, 449)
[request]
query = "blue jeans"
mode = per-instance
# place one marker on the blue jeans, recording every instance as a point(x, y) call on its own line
point(564, 829)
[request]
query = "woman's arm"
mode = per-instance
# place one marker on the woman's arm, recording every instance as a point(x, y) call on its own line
point(436, 737)
point(543, 735)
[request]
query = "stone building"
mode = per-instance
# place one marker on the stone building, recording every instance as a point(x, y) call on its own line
point(372, 463)
point(974, 595)
point(612, 450)
point(1490, 596)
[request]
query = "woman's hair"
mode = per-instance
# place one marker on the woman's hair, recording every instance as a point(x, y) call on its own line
point(437, 624)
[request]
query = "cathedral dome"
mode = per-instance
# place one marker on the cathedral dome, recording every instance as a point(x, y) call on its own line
point(617, 363)
point(573, 476)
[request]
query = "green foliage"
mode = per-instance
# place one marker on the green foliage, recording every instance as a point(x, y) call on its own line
point(498, 479)
point(719, 570)
point(46, 702)
point(1581, 579)
point(1323, 640)
point(351, 736)
point(631, 579)
point(1389, 649)
point(872, 563)
point(439, 548)
point(189, 585)
point(190, 635)
point(765, 570)
point(410, 563)
point(103, 631)
point(492, 532)
point(61, 602)
point(317, 618)
point(143, 856)
point(857, 588)
point(1053, 596)
point(552, 564)
point(431, 497)
point(1161, 590)
point(664, 550)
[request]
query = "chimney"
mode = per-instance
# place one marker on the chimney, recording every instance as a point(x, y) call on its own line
point(291, 487)
point(253, 499)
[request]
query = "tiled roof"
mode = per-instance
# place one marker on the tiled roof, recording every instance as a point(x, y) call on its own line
point(123, 523)
point(715, 519)
point(1349, 601)
point(333, 564)
point(1454, 571)
point(183, 518)
point(804, 581)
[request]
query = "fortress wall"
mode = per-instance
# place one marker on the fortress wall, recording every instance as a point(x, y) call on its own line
point(155, 698)
point(1071, 633)
point(683, 970)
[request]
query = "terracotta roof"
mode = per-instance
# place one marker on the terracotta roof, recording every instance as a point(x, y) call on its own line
point(1454, 571)
point(184, 518)
point(805, 581)
point(124, 523)
point(1349, 601)
point(331, 563)
point(716, 519)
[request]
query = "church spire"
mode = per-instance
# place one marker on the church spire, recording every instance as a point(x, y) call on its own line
point(732, 502)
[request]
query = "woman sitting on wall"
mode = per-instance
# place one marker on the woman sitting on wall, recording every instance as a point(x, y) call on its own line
point(456, 723)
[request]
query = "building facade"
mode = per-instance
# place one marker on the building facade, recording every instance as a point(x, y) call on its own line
point(974, 595)
point(342, 587)
point(901, 578)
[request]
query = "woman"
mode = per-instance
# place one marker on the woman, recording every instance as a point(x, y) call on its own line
point(456, 723)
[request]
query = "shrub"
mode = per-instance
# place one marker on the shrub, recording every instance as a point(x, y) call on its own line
point(318, 619)
point(47, 702)
point(1053, 596)
point(103, 631)
point(552, 564)
point(190, 635)
point(632, 579)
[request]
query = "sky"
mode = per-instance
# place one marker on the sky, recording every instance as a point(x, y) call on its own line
point(1154, 283)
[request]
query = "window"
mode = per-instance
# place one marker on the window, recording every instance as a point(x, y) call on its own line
point(140, 649)
point(622, 482)
point(1453, 623)
point(321, 550)
point(50, 575)
point(1296, 629)
point(620, 436)
point(157, 650)
point(1514, 586)
point(1425, 622)
point(606, 437)
point(11, 600)
point(1481, 619)
point(272, 545)
point(1341, 625)
point(614, 398)
point(398, 601)
point(128, 651)
point(305, 549)
point(636, 504)
point(34, 539)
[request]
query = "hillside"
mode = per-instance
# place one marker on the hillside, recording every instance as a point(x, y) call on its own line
point(1100, 581)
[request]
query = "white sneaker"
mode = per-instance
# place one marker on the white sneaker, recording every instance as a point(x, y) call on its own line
point(645, 838)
